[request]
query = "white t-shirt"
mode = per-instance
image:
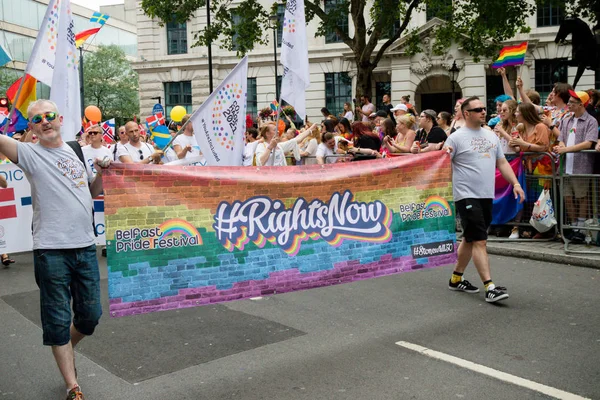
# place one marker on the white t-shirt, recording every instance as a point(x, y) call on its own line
point(136, 154)
point(60, 196)
point(169, 155)
point(570, 142)
point(249, 153)
point(276, 158)
point(324, 151)
point(349, 116)
point(90, 154)
point(367, 110)
point(194, 155)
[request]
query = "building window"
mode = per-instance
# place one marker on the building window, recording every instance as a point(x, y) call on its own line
point(178, 94)
point(550, 13)
point(251, 98)
point(176, 38)
point(330, 7)
point(547, 73)
point(442, 9)
point(338, 90)
point(280, 16)
point(235, 21)
point(597, 80)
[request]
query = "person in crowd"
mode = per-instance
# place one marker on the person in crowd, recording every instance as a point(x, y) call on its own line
point(251, 140)
point(389, 132)
point(135, 150)
point(328, 125)
point(504, 130)
point(444, 120)
point(347, 113)
point(327, 150)
point(535, 138)
point(308, 147)
point(326, 113)
point(578, 132)
point(399, 110)
point(387, 106)
point(558, 110)
point(430, 137)
point(458, 121)
point(186, 146)
point(270, 152)
point(405, 137)
point(496, 117)
point(96, 149)
point(65, 263)
point(345, 129)
point(121, 139)
point(594, 104)
point(367, 109)
point(475, 154)
point(366, 143)
point(406, 101)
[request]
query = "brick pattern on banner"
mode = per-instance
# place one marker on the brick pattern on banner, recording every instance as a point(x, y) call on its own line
point(178, 236)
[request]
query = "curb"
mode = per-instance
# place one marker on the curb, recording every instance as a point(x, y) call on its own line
point(566, 259)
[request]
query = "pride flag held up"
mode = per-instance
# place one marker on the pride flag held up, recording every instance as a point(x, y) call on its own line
point(511, 55)
point(27, 95)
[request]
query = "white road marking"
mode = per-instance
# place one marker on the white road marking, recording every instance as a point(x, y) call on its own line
point(503, 376)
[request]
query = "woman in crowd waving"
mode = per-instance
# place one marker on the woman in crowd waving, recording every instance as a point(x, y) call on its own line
point(430, 137)
point(308, 147)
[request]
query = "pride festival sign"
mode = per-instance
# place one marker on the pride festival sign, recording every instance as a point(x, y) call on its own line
point(184, 236)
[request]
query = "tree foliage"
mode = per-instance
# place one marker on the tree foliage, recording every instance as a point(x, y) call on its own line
point(478, 26)
point(110, 83)
point(7, 77)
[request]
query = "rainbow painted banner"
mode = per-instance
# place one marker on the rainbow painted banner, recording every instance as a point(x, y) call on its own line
point(511, 55)
point(186, 236)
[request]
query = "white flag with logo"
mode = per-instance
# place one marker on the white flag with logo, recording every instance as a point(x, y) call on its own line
point(65, 80)
point(294, 57)
point(41, 61)
point(219, 122)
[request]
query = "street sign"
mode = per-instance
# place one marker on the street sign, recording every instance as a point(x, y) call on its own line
point(158, 109)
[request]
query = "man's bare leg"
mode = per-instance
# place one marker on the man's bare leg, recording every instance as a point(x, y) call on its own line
point(465, 251)
point(481, 260)
point(64, 359)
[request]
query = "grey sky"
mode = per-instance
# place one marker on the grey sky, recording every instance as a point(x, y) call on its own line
point(95, 4)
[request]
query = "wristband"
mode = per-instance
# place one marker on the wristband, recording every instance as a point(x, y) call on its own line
point(517, 184)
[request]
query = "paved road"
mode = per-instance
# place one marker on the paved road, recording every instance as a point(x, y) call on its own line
point(329, 343)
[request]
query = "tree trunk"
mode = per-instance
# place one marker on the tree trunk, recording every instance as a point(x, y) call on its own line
point(364, 77)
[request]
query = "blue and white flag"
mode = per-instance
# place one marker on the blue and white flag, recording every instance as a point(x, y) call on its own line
point(5, 57)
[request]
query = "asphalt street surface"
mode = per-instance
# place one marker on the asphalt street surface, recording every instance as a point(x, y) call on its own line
point(330, 343)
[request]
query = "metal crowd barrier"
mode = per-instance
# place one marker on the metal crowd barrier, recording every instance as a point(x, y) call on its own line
point(535, 183)
point(582, 207)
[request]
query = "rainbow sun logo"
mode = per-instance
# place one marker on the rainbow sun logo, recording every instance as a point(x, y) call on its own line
point(224, 97)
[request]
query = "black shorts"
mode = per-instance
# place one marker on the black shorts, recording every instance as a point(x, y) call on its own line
point(475, 218)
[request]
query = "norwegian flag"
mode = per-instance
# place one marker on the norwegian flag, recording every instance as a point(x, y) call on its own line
point(154, 120)
point(108, 131)
point(142, 130)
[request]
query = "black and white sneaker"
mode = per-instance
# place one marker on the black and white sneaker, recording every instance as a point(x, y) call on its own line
point(496, 294)
point(463, 286)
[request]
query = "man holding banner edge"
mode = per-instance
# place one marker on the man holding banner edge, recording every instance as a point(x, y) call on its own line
point(476, 153)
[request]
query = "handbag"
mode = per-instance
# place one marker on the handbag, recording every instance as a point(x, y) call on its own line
point(542, 216)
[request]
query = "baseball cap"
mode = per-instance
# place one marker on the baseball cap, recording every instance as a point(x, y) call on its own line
point(400, 107)
point(581, 96)
point(381, 113)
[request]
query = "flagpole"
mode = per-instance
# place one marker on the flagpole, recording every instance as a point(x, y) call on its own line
point(81, 90)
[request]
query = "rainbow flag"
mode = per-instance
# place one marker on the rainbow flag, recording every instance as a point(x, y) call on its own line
point(19, 121)
point(274, 105)
point(511, 55)
point(505, 206)
point(82, 36)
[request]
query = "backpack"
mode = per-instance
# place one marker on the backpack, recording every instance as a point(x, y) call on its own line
point(73, 144)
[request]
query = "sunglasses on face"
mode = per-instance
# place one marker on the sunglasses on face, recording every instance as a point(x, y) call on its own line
point(50, 116)
point(94, 133)
point(477, 110)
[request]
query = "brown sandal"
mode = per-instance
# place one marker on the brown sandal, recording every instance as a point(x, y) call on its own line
point(6, 260)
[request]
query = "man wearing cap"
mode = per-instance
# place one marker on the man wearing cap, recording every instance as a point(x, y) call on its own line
point(577, 132)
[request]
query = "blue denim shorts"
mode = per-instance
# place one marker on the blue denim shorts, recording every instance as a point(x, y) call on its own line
point(62, 275)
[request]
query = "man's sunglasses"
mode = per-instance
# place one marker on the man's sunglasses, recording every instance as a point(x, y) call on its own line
point(141, 155)
point(50, 116)
point(94, 133)
point(477, 110)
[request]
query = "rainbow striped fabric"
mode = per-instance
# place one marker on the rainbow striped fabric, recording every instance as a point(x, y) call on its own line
point(186, 236)
point(82, 36)
point(511, 55)
point(28, 94)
